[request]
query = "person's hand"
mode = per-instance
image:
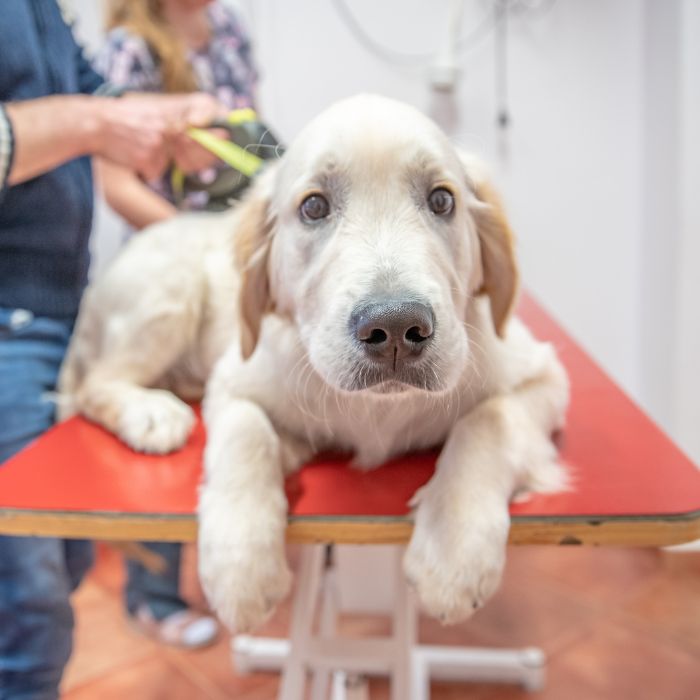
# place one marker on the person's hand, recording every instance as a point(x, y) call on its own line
point(195, 109)
point(146, 132)
point(133, 131)
point(190, 156)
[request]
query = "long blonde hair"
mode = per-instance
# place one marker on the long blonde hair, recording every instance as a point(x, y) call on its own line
point(145, 18)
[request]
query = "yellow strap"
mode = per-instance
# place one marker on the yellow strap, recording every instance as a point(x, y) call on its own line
point(231, 153)
point(241, 116)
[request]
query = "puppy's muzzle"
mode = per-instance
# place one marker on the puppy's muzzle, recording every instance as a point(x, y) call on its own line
point(393, 330)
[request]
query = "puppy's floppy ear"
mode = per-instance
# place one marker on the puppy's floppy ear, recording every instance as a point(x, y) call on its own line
point(253, 237)
point(500, 276)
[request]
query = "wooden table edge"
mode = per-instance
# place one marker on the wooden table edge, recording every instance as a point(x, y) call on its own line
point(591, 530)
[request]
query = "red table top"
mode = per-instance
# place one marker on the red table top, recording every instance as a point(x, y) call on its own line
point(622, 464)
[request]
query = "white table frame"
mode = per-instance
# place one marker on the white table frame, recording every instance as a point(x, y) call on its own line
point(339, 666)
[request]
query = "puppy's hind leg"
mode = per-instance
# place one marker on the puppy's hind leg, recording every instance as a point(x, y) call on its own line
point(545, 399)
point(135, 354)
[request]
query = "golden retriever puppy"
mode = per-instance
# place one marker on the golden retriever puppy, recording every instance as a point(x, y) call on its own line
point(368, 311)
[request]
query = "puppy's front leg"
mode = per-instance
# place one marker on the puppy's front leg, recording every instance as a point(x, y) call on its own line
point(457, 552)
point(243, 516)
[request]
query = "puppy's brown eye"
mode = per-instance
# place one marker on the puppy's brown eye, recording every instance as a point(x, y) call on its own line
point(441, 201)
point(315, 207)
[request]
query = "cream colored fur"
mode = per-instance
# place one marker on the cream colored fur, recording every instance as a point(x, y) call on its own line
point(284, 379)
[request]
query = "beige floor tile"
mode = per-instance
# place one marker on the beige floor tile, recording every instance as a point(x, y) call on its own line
point(150, 678)
point(103, 641)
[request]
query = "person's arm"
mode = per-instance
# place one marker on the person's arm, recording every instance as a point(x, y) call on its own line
point(130, 197)
point(52, 130)
point(137, 131)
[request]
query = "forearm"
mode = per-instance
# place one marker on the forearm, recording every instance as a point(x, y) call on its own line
point(130, 197)
point(138, 131)
point(51, 130)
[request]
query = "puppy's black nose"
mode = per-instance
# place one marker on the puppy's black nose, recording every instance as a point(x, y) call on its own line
point(393, 330)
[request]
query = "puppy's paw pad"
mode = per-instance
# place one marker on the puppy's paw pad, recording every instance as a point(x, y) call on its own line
point(157, 423)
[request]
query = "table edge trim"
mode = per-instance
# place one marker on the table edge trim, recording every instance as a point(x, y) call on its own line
point(616, 530)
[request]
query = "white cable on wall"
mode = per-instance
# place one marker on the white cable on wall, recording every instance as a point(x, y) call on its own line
point(466, 42)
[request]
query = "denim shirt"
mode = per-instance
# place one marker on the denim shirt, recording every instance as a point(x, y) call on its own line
point(45, 222)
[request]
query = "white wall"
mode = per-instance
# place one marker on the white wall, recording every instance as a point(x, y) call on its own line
point(595, 170)
point(686, 348)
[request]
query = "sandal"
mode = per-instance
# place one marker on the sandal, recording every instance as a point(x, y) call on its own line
point(186, 628)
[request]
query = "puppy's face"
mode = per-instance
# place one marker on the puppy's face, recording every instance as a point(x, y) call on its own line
point(374, 250)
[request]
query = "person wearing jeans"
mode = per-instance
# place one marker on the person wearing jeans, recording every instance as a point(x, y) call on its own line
point(37, 576)
point(51, 122)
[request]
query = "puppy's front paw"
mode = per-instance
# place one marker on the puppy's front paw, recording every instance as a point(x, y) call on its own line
point(157, 422)
point(243, 583)
point(456, 565)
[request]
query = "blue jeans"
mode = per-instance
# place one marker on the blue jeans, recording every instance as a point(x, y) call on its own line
point(159, 592)
point(37, 575)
